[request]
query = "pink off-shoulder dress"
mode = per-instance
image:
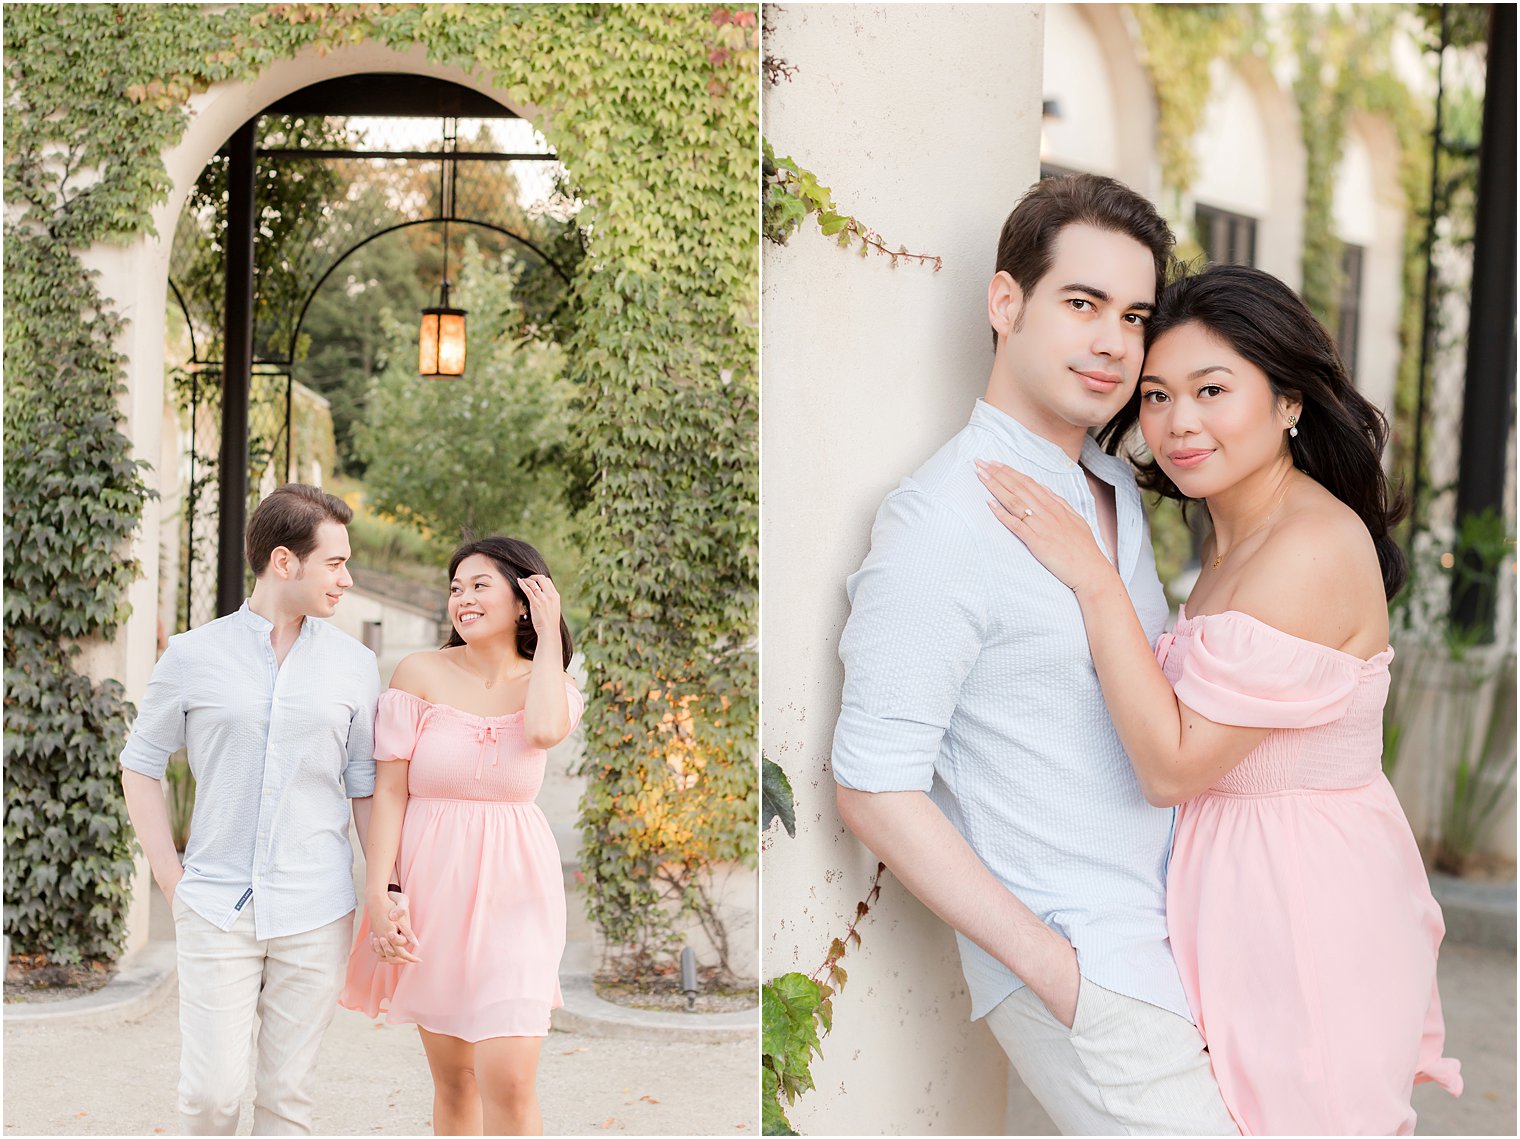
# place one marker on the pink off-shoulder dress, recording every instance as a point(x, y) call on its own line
point(481, 869)
point(1299, 911)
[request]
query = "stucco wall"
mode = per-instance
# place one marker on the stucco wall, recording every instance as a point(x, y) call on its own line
point(925, 122)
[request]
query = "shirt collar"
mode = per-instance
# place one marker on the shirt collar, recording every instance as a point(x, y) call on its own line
point(264, 625)
point(1034, 448)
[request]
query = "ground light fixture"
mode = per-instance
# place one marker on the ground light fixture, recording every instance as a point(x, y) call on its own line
point(441, 341)
point(689, 977)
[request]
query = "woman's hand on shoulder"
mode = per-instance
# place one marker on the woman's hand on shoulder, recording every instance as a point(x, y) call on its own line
point(1317, 577)
point(1058, 537)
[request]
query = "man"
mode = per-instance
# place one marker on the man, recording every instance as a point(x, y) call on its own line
point(276, 711)
point(973, 753)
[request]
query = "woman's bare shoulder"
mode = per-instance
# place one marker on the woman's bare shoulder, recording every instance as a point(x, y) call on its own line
point(1317, 577)
point(420, 672)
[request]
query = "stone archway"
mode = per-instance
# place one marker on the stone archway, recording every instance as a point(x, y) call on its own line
point(305, 185)
point(135, 279)
point(1107, 128)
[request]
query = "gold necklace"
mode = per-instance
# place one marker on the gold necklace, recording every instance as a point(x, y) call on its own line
point(1258, 528)
point(491, 683)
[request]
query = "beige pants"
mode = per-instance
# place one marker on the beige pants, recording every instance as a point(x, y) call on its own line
point(226, 978)
point(1124, 1067)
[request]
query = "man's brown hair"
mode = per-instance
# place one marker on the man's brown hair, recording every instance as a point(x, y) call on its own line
point(290, 517)
point(1027, 242)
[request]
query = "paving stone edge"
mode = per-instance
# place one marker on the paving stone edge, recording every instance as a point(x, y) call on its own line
point(149, 975)
point(144, 980)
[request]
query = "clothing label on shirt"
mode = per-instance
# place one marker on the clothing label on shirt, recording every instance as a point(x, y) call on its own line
point(248, 893)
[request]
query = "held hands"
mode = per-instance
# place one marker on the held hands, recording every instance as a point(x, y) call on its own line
point(1058, 537)
point(543, 604)
point(391, 936)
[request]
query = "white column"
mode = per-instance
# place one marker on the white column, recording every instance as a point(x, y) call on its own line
point(925, 121)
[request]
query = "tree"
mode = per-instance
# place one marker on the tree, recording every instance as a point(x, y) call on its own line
point(363, 316)
point(482, 454)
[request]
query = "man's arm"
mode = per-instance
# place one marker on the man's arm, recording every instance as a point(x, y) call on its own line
point(158, 733)
point(150, 819)
point(923, 849)
point(916, 628)
point(361, 819)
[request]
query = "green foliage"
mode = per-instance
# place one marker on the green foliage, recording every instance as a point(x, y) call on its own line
point(1180, 41)
point(386, 544)
point(792, 194)
point(663, 356)
point(68, 846)
point(1467, 24)
point(1475, 705)
point(287, 207)
point(1482, 747)
point(791, 1012)
point(1339, 52)
point(776, 797)
point(796, 1013)
point(471, 456)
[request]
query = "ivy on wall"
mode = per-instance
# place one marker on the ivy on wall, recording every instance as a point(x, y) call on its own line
point(653, 110)
point(791, 194)
point(1178, 43)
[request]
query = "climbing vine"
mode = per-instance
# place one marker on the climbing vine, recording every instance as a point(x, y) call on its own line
point(1178, 43)
point(790, 194)
point(797, 1009)
point(653, 109)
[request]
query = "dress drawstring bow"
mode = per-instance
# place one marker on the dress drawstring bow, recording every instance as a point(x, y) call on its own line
point(486, 736)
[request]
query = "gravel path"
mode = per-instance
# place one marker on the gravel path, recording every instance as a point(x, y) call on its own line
point(119, 1080)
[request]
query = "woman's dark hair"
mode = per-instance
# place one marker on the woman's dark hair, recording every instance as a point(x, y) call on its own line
point(514, 559)
point(1341, 434)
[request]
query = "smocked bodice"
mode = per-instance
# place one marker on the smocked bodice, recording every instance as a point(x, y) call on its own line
point(458, 755)
point(1324, 707)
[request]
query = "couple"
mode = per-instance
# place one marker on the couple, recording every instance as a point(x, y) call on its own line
point(1186, 898)
point(278, 714)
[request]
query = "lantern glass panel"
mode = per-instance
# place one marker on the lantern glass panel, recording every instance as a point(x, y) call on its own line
point(451, 344)
point(427, 345)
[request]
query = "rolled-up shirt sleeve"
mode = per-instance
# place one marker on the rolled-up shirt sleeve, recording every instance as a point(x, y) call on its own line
point(916, 626)
point(159, 730)
point(359, 770)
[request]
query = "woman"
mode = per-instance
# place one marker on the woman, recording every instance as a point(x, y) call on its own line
point(1298, 909)
point(461, 735)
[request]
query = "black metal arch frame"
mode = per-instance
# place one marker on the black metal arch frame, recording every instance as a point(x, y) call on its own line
point(295, 334)
point(290, 351)
point(384, 95)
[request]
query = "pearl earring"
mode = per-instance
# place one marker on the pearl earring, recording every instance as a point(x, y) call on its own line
point(1293, 427)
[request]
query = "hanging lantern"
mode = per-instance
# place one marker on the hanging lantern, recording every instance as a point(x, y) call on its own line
point(440, 343)
point(440, 346)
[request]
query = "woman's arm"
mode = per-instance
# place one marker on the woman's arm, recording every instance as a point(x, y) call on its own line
point(1176, 753)
point(546, 714)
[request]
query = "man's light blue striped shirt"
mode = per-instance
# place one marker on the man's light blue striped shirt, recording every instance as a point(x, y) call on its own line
point(968, 675)
point(277, 750)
